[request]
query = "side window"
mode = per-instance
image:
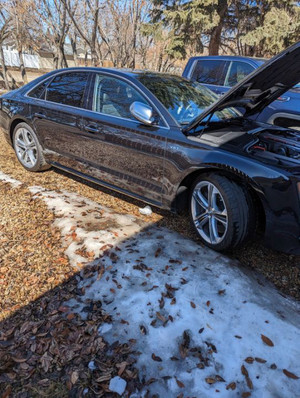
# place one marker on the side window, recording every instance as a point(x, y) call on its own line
point(238, 71)
point(113, 96)
point(210, 72)
point(39, 91)
point(68, 88)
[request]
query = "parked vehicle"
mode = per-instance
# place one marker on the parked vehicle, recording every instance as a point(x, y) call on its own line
point(172, 143)
point(221, 73)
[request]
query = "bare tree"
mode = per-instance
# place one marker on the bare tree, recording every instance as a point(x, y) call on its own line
point(85, 19)
point(54, 17)
point(19, 12)
point(4, 34)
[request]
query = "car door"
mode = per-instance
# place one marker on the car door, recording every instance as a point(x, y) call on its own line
point(211, 73)
point(57, 115)
point(116, 148)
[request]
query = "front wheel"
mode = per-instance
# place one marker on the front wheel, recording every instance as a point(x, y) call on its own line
point(220, 212)
point(28, 149)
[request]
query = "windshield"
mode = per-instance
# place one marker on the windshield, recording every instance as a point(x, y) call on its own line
point(184, 100)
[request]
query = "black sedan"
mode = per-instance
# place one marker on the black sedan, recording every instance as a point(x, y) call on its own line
point(171, 143)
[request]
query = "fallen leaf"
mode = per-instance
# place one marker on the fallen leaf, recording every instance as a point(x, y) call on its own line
point(249, 360)
point(231, 386)
point(210, 380)
point(267, 341)
point(160, 316)
point(260, 360)
point(122, 367)
point(290, 374)
point(246, 394)
point(193, 305)
point(156, 358)
point(74, 377)
point(158, 251)
point(244, 371)
point(180, 384)
point(249, 383)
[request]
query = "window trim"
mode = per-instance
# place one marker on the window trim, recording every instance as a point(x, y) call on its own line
point(229, 70)
point(91, 89)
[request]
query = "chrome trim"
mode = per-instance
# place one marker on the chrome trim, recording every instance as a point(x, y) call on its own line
point(167, 127)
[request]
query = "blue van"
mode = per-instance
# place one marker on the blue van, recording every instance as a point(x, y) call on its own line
point(220, 73)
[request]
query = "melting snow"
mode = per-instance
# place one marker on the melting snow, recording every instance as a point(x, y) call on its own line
point(12, 181)
point(117, 384)
point(195, 314)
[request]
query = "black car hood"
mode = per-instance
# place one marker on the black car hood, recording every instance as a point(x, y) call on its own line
point(261, 87)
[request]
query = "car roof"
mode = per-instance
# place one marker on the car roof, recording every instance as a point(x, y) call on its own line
point(259, 61)
point(117, 71)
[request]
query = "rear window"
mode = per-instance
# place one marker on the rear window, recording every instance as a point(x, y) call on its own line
point(209, 72)
point(39, 91)
point(68, 88)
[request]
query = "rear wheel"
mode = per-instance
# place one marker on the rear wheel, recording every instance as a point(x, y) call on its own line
point(220, 212)
point(28, 150)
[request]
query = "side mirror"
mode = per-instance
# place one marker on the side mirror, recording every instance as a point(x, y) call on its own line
point(141, 112)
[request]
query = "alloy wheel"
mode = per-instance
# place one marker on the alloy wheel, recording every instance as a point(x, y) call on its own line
point(26, 147)
point(209, 212)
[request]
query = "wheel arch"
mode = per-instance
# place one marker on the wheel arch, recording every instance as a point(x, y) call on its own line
point(13, 125)
point(180, 202)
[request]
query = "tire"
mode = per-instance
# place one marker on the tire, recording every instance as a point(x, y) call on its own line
point(28, 149)
point(224, 221)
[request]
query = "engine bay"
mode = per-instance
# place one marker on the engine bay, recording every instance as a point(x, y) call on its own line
point(284, 144)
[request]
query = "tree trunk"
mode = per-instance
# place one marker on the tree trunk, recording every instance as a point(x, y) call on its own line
point(94, 56)
point(62, 61)
point(4, 69)
point(22, 67)
point(215, 38)
point(74, 49)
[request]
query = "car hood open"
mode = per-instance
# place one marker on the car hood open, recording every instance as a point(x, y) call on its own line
point(261, 87)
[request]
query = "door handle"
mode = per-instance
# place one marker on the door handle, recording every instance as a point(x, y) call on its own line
point(40, 115)
point(91, 128)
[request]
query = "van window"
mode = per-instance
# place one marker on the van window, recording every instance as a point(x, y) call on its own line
point(238, 71)
point(209, 72)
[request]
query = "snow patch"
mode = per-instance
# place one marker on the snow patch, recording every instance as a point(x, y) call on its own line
point(117, 384)
point(196, 316)
point(6, 178)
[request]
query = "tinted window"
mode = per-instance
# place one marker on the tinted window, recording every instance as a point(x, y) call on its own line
point(39, 91)
point(209, 72)
point(185, 100)
point(113, 97)
point(238, 71)
point(68, 88)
